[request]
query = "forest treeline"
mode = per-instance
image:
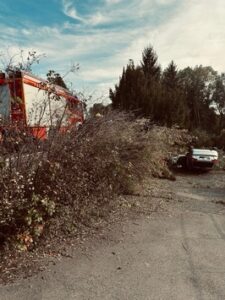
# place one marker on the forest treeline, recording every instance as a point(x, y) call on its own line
point(192, 98)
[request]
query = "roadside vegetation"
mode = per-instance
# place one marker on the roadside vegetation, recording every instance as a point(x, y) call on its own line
point(75, 178)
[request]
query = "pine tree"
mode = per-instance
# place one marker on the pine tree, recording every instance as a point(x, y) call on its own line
point(170, 77)
point(173, 103)
point(149, 64)
point(151, 85)
point(183, 97)
point(127, 94)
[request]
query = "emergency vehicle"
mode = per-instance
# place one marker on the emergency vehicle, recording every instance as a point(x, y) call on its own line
point(35, 104)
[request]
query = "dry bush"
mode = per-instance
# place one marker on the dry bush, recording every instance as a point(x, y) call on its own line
point(22, 210)
point(204, 139)
point(73, 179)
point(165, 143)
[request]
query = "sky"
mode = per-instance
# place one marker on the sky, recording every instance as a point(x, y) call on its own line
point(102, 35)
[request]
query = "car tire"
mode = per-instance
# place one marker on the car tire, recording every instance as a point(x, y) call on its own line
point(182, 161)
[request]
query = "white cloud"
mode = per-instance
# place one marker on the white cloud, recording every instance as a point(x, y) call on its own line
point(193, 33)
point(165, 2)
point(93, 19)
point(114, 10)
point(98, 18)
point(111, 2)
point(100, 73)
point(70, 10)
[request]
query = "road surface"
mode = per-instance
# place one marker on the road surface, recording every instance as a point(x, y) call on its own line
point(176, 253)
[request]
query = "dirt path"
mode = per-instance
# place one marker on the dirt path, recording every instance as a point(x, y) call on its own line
point(177, 253)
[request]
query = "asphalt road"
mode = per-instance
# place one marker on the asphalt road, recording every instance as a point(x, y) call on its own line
point(177, 253)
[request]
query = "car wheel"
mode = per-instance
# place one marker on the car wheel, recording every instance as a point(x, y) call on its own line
point(182, 162)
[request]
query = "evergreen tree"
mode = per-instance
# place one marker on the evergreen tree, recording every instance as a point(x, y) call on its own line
point(170, 77)
point(128, 93)
point(187, 97)
point(151, 85)
point(173, 102)
point(149, 64)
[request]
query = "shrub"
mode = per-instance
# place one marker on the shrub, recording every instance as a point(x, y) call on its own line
point(203, 139)
point(74, 177)
point(77, 174)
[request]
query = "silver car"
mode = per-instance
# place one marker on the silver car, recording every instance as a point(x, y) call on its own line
point(198, 158)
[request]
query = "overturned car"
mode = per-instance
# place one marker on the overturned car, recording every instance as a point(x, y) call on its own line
point(197, 158)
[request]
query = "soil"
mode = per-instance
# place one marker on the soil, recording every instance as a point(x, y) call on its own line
point(116, 259)
point(55, 245)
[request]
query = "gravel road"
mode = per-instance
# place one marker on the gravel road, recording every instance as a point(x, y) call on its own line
point(177, 252)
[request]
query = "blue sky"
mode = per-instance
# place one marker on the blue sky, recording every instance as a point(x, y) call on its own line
point(102, 35)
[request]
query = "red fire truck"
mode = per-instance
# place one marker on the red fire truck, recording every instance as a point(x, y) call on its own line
point(37, 105)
